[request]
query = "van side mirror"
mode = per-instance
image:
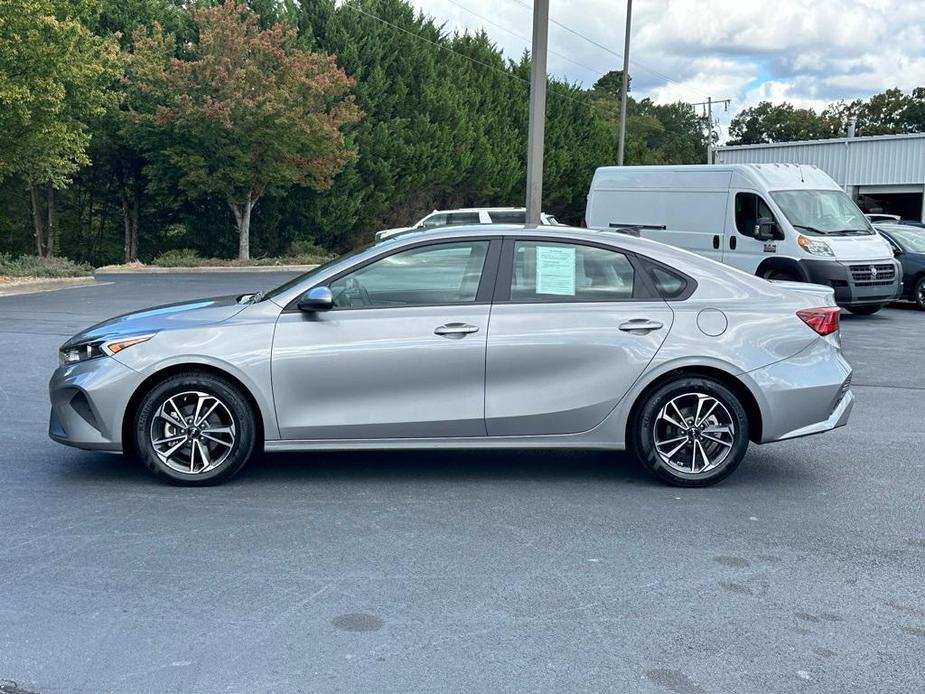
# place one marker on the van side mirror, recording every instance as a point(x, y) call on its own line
point(767, 230)
point(316, 299)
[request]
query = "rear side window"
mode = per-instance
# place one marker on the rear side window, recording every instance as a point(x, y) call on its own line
point(570, 272)
point(508, 217)
point(668, 284)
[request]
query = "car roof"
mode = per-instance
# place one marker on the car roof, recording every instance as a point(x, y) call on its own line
point(608, 236)
point(481, 209)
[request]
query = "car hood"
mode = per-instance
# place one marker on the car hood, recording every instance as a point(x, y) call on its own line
point(867, 248)
point(170, 316)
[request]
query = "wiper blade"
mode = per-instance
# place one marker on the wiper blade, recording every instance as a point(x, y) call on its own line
point(812, 230)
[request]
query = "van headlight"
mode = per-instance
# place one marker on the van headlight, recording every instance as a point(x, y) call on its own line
point(814, 246)
point(85, 351)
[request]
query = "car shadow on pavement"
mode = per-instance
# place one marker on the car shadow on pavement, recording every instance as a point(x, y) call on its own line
point(616, 467)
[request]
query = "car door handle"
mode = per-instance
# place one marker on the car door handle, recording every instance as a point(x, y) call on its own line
point(640, 325)
point(455, 329)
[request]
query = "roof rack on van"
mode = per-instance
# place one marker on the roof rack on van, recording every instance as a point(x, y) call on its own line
point(633, 229)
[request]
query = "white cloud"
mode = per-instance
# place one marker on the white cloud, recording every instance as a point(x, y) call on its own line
point(807, 52)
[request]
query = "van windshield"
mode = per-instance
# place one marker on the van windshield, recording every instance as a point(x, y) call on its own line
point(822, 212)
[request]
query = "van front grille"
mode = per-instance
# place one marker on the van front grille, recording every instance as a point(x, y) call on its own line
point(873, 275)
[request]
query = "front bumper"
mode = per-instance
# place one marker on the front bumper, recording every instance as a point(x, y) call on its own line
point(808, 393)
point(88, 400)
point(857, 283)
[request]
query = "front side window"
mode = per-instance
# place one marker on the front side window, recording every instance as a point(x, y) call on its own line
point(446, 273)
point(822, 212)
point(749, 209)
point(569, 272)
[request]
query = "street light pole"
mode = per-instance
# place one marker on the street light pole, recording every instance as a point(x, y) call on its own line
point(537, 124)
point(623, 82)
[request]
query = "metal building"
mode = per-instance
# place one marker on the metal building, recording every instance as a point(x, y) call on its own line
point(883, 173)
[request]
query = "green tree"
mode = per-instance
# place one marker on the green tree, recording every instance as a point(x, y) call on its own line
point(54, 79)
point(246, 114)
point(767, 122)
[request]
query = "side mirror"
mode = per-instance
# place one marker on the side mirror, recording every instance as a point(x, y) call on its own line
point(766, 229)
point(316, 299)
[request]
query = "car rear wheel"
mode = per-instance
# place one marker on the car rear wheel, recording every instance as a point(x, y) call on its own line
point(195, 429)
point(691, 432)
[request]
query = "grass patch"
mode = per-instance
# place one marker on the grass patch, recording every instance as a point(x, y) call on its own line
point(34, 266)
point(186, 257)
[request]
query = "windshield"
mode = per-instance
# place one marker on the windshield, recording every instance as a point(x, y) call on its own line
point(285, 286)
point(824, 212)
point(910, 240)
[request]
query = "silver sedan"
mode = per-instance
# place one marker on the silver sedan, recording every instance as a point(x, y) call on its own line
point(468, 337)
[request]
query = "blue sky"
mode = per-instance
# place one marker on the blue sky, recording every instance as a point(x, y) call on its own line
point(807, 52)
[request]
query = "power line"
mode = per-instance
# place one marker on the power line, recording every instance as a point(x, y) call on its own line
point(593, 70)
point(615, 53)
point(461, 55)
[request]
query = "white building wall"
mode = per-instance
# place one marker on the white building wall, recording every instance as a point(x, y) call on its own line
point(886, 160)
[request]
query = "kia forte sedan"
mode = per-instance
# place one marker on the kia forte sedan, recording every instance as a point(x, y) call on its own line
point(466, 338)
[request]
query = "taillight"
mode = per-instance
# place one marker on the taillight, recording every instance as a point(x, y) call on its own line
point(823, 320)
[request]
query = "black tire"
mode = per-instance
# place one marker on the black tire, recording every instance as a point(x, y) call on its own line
point(918, 293)
point(648, 422)
point(780, 275)
point(865, 310)
point(231, 449)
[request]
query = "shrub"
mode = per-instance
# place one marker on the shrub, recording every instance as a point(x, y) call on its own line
point(34, 266)
point(180, 257)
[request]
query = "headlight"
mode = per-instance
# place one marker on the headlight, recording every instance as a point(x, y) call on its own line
point(98, 348)
point(814, 246)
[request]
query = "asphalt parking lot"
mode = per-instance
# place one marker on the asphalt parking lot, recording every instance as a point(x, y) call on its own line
point(460, 572)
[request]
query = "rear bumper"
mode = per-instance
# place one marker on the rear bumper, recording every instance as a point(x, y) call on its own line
point(857, 283)
point(806, 394)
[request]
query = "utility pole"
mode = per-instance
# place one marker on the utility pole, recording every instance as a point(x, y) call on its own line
point(623, 82)
point(708, 110)
point(537, 123)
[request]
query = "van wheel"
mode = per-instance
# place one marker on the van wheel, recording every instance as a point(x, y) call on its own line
point(780, 275)
point(691, 432)
point(194, 429)
point(864, 310)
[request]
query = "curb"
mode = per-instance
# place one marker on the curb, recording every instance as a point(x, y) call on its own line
point(45, 285)
point(154, 270)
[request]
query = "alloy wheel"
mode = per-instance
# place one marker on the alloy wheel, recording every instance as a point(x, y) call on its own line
point(192, 432)
point(694, 433)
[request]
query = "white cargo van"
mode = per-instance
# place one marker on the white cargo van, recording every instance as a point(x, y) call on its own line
point(778, 221)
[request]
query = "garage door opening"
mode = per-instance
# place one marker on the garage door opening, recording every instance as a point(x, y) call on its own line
point(906, 205)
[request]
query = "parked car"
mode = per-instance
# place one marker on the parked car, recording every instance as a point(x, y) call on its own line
point(908, 244)
point(777, 221)
point(467, 337)
point(877, 217)
point(472, 215)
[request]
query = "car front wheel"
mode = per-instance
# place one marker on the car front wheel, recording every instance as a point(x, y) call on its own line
point(194, 429)
point(918, 293)
point(691, 432)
